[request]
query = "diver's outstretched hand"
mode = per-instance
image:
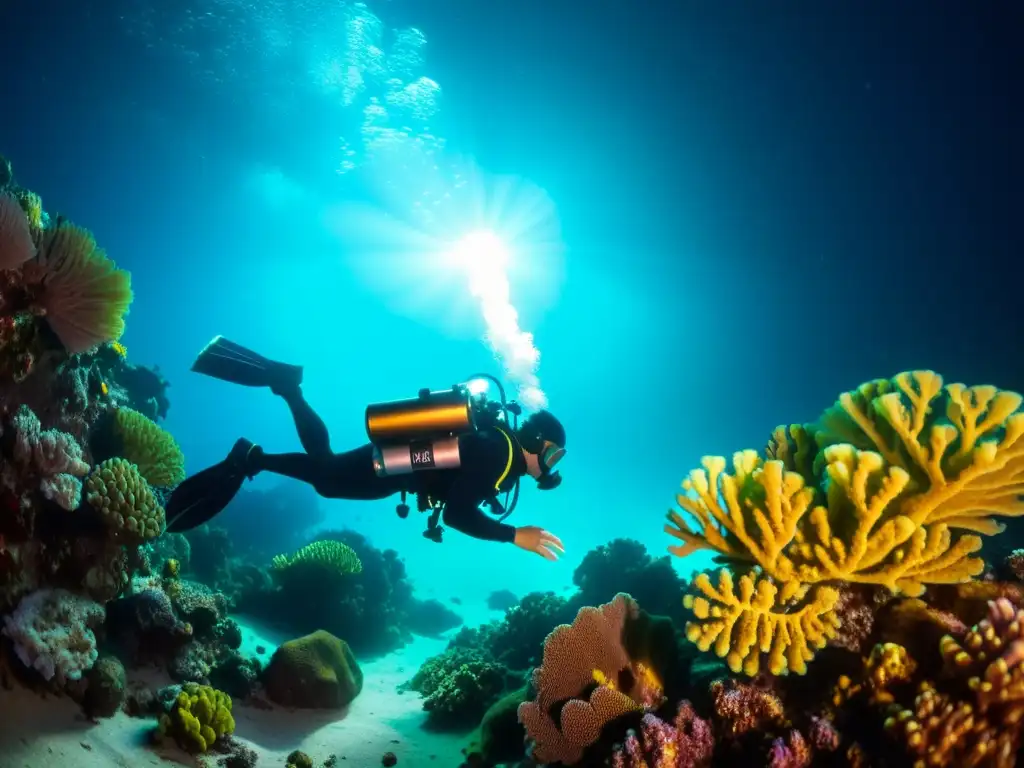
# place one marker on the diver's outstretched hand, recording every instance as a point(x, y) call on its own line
point(540, 542)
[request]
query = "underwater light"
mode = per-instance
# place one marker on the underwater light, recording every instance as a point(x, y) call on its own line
point(484, 256)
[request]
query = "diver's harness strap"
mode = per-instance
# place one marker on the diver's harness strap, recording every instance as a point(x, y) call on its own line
point(435, 530)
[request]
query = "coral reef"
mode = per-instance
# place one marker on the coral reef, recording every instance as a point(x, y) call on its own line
point(52, 632)
point(373, 609)
point(625, 565)
point(458, 687)
point(578, 683)
point(891, 487)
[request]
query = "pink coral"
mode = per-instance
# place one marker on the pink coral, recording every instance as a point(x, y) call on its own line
point(16, 245)
point(54, 456)
point(687, 742)
point(823, 735)
point(790, 751)
point(569, 712)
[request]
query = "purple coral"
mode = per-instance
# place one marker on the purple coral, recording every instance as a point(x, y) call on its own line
point(687, 742)
point(54, 456)
point(790, 751)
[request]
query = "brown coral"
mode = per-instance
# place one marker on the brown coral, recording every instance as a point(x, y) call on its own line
point(744, 707)
point(983, 729)
point(588, 679)
point(81, 292)
point(16, 245)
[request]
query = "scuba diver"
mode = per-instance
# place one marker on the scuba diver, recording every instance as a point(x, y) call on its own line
point(454, 450)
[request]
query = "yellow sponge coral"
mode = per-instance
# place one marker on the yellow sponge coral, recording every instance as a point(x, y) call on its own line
point(741, 625)
point(199, 717)
point(117, 490)
point(150, 447)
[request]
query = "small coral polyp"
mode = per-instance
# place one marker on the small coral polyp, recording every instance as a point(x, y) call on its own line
point(893, 486)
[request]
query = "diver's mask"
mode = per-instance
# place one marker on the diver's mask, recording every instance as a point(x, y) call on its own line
point(548, 456)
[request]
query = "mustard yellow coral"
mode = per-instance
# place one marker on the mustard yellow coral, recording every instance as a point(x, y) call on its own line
point(963, 447)
point(200, 715)
point(150, 447)
point(740, 625)
point(890, 487)
point(117, 490)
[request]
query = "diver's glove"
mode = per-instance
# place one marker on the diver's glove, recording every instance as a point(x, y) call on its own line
point(540, 542)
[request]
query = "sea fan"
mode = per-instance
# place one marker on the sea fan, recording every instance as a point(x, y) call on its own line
point(15, 234)
point(83, 293)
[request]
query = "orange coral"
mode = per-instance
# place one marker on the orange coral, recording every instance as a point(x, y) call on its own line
point(588, 672)
point(942, 729)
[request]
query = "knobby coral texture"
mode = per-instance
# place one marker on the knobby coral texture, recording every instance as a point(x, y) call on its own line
point(852, 550)
point(73, 517)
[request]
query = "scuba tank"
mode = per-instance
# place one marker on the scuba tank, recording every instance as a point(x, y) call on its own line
point(422, 434)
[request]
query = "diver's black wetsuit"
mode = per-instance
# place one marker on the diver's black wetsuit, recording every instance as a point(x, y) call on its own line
point(350, 475)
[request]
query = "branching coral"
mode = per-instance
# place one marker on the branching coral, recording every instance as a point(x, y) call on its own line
point(586, 680)
point(82, 293)
point(151, 448)
point(983, 729)
point(759, 619)
point(131, 511)
point(687, 742)
point(905, 473)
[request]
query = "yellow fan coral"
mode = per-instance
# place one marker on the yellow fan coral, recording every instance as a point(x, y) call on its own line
point(83, 294)
point(150, 447)
point(888, 488)
point(963, 447)
point(789, 626)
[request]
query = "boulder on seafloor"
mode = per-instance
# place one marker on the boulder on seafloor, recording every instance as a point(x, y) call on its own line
point(316, 671)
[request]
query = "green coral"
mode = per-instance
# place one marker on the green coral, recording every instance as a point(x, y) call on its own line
point(326, 556)
point(121, 494)
point(298, 759)
point(200, 715)
point(150, 447)
point(317, 671)
point(458, 687)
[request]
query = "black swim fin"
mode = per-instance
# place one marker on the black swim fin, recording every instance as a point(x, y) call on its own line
point(200, 498)
point(223, 359)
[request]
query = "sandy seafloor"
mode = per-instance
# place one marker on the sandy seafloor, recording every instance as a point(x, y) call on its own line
point(52, 732)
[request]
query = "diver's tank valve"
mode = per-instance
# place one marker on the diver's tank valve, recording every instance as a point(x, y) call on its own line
point(419, 433)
